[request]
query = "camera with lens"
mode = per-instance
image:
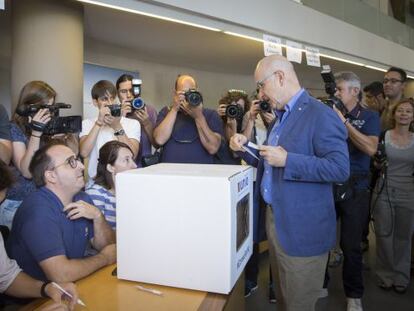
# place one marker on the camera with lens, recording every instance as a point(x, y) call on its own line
point(234, 111)
point(380, 156)
point(57, 124)
point(193, 97)
point(137, 103)
point(115, 110)
point(265, 106)
point(330, 89)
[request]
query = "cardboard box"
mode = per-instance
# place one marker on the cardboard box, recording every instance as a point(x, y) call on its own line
point(185, 225)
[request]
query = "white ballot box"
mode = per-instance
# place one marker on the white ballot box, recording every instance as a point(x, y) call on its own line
point(185, 225)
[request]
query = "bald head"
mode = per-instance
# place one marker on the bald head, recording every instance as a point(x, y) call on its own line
point(277, 80)
point(184, 83)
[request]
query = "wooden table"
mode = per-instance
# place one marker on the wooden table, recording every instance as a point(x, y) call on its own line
point(103, 291)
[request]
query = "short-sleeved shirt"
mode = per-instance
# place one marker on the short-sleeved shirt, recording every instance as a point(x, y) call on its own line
point(23, 186)
point(368, 123)
point(145, 146)
point(184, 145)
point(4, 124)
point(131, 127)
point(8, 268)
point(41, 230)
point(104, 200)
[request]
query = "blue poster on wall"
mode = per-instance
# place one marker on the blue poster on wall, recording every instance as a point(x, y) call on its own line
point(92, 74)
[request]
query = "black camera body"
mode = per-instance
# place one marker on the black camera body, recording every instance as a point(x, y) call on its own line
point(137, 103)
point(265, 106)
point(330, 89)
point(115, 110)
point(193, 97)
point(234, 111)
point(380, 156)
point(57, 124)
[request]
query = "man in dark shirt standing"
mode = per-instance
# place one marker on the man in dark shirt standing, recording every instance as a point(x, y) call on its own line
point(363, 127)
point(188, 134)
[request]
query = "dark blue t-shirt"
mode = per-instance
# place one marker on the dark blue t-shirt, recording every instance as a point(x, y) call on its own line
point(184, 145)
point(41, 230)
point(368, 123)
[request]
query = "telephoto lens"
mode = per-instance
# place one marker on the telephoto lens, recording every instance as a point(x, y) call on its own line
point(193, 97)
point(234, 111)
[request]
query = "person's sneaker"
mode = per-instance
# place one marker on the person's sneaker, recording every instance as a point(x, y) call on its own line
point(249, 288)
point(272, 296)
point(354, 304)
point(335, 258)
point(323, 293)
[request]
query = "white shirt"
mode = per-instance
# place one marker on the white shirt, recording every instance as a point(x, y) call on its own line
point(131, 127)
point(8, 268)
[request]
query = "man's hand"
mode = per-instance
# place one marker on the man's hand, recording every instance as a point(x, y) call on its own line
point(142, 116)
point(113, 122)
point(109, 252)
point(196, 112)
point(237, 141)
point(79, 209)
point(254, 110)
point(125, 107)
point(103, 113)
point(275, 156)
point(56, 295)
point(221, 110)
point(178, 101)
point(268, 117)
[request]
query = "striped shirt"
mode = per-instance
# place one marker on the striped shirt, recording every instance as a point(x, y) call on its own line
point(105, 201)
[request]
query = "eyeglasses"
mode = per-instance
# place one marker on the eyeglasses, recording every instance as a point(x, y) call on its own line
point(261, 83)
point(72, 161)
point(393, 81)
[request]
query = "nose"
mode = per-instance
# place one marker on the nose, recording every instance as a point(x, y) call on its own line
point(80, 165)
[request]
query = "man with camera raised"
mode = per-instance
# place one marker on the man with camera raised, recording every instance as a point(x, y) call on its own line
point(352, 205)
point(109, 125)
point(188, 132)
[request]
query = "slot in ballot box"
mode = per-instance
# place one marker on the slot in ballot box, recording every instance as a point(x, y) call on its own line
point(185, 225)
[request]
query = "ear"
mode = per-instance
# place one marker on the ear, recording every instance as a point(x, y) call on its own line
point(50, 177)
point(280, 76)
point(355, 91)
point(95, 103)
point(110, 168)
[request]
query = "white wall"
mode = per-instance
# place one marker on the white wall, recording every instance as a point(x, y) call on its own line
point(5, 57)
point(158, 78)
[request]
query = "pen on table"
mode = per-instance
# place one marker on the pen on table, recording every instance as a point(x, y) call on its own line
point(67, 294)
point(149, 290)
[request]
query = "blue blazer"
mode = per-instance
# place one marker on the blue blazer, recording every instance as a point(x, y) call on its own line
point(302, 197)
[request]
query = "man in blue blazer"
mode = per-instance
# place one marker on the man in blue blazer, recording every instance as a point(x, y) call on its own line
point(305, 153)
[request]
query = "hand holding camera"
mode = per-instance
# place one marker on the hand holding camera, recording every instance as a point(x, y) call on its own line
point(39, 121)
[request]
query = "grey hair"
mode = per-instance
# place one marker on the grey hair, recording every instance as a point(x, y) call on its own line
point(350, 77)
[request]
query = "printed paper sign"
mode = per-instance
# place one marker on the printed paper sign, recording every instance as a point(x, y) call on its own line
point(294, 51)
point(312, 56)
point(272, 45)
point(1, 4)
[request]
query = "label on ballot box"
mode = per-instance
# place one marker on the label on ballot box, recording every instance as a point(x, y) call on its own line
point(185, 225)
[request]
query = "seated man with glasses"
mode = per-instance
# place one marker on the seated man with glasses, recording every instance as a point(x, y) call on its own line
point(108, 125)
point(53, 226)
point(188, 133)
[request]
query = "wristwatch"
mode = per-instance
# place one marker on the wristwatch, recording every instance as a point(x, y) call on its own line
point(119, 132)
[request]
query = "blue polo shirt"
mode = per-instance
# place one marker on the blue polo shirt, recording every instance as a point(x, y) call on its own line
point(41, 230)
point(184, 145)
point(273, 140)
point(368, 123)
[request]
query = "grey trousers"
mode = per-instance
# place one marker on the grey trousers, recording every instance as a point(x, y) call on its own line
point(298, 280)
point(394, 228)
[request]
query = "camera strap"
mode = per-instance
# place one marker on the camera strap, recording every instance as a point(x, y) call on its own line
point(37, 126)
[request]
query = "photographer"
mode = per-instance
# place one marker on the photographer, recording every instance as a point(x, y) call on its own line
point(188, 132)
point(363, 128)
point(393, 199)
point(114, 157)
point(109, 125)
point(146, 116)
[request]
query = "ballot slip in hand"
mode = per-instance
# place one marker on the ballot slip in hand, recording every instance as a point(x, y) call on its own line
point(250, 152)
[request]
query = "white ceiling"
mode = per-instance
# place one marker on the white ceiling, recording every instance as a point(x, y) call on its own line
point(176, 44)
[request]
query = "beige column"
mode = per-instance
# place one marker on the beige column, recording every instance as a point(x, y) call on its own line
point(47, 44)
